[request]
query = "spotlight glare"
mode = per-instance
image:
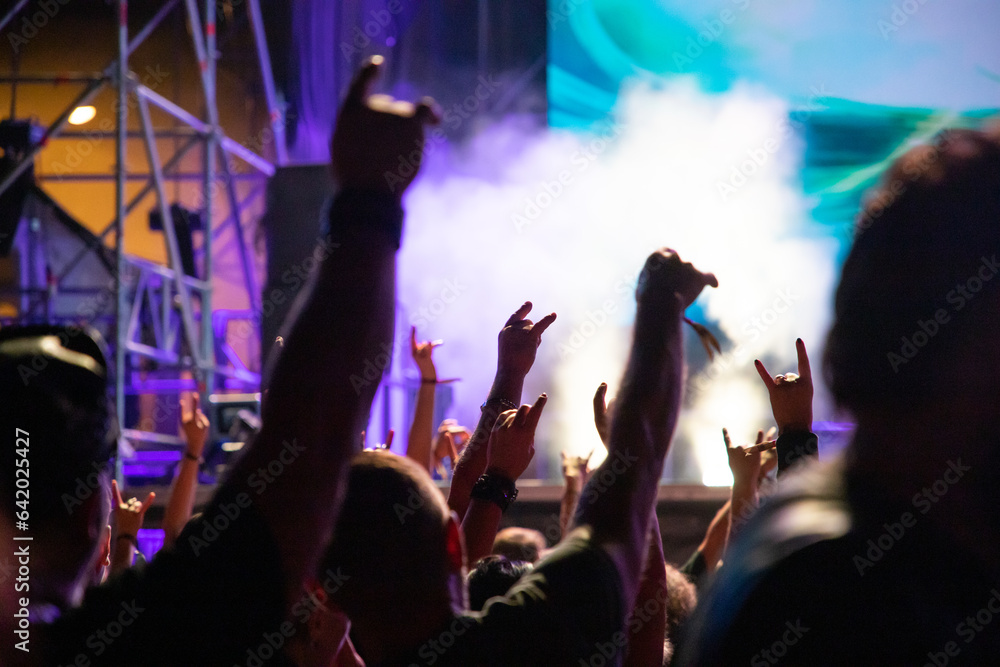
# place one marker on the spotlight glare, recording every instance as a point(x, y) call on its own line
point(82, 115)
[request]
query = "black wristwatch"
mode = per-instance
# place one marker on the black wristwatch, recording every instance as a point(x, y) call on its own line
point(495, 488)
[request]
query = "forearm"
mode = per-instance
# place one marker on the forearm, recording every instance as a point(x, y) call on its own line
point(744, 504)
point(181, 502)
point(570, 499)
point(645, 642)
point(321, 390)
point(480, 528)
point(471, 463)
point(122, 553)
point(714, 543)
point(418, 444)
point(619, 498)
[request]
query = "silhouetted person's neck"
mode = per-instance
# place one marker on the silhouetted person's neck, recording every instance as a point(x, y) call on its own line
point(943, 457)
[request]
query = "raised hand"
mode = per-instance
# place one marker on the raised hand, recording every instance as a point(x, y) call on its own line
point(601, 418)
point(744, 462)
point(519, 341)
point(667, 281)
point(451, 439)
point(575, 467)
point(423, 356)
point(378, 141)
point(791, 395)
point(512, 443)
point(129, 515)
point(194, 424)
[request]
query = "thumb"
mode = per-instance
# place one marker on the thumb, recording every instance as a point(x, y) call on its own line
point(362, 83)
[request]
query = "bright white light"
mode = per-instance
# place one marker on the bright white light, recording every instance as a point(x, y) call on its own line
point(82, 115)
point(567, 221)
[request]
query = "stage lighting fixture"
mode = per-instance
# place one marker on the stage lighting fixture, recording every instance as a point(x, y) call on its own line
point(82, 115)
point(185, 222)
point(17, 137)
point(235, 420)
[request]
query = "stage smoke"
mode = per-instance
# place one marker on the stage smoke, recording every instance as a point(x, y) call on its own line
point(566, 220)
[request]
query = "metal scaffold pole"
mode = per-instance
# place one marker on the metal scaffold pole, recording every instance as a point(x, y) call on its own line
point(156, 307)
point(121, 171)
point(211, 145)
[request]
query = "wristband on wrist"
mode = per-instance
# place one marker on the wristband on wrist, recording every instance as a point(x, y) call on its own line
point(354, 207)
point(191, 457)
point(130, 538)
point(504, 403)
point(495, 488)
point(428, 381)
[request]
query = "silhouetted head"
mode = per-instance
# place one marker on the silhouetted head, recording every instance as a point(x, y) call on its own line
point(396, 544)
point(517, 543)
point(54, 395)
point(493, 576)
point(917, 310)
point(682, 596)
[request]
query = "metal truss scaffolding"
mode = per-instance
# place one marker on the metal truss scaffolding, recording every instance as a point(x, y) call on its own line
point(177, 327)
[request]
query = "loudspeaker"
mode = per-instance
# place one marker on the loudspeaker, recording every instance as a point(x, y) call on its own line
point(296, 199)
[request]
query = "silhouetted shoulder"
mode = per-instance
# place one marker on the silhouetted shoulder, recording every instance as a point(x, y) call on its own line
point(812, 581)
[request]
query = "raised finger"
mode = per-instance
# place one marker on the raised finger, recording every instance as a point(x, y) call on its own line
point(362, 83)
point(519, 314)
point(760, 447)
point(805, 372)
point(760, 437)
point(600, 407)
point(116, 493)
point(504, 417)
point(764, 375)
point(522, 415)
point(413, 340)
point(536, 412)
point(725, 438)
point(388, 439)
point(149, 501)
point(543, 324)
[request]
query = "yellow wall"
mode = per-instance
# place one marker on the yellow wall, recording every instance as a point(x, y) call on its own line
point(166, 63)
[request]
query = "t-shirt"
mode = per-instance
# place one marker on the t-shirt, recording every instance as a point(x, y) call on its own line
point(214, 598)
point(568, 609)
point(817, 579)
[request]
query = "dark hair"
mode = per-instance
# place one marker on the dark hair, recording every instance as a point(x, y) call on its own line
point(493, 576)
point(390, 541)
point(54, 393)
point(930, 228)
